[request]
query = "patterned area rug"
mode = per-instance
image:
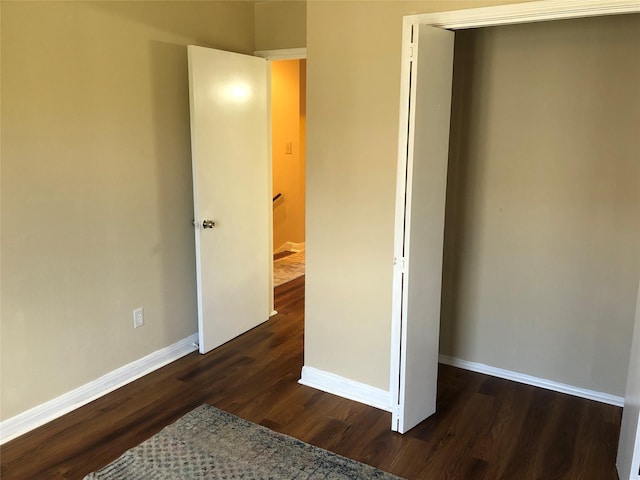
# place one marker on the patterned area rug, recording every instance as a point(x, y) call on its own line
point(288, 268)
point(212, 444)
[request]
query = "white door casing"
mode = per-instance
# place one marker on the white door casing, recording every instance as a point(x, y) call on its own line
point(628, 461)
point(230, 147)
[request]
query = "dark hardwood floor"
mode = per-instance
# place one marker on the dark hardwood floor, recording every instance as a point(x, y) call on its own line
point(485, 428)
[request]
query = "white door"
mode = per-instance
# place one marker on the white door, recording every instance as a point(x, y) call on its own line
point(420, 228)
point(230, 150)
point(628, 462)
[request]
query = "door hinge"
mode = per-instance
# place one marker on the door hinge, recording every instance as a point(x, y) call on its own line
point(400, 263)
point(411, 49)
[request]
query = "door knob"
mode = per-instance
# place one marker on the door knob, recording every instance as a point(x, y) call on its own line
point(208, 224)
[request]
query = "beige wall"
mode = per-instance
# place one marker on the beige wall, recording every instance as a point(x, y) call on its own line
point(96, 184)
point(287, 112)
point(543, 226)
point(551, 297)
point(280, 24)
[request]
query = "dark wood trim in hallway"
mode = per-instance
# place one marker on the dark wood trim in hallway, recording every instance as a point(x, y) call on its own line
point(485, 428)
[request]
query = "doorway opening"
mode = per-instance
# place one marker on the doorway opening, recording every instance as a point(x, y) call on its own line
point(288, 135)
point(488, 19)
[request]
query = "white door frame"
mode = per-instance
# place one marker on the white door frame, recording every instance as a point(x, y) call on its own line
point(528, 12)
point(628, 461)
point(282, 54)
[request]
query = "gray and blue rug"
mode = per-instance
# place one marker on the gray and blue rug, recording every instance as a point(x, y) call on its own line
point(212, 444)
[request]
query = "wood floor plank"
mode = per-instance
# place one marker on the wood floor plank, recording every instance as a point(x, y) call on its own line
point(496, 446)
point(485, 428)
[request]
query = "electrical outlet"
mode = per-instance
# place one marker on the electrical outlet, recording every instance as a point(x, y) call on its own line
point(138, 317)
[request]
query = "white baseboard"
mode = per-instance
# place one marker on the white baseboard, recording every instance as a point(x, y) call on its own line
point(346, 388)
point(535, 381)
point(290, 247)
point(35, 417)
